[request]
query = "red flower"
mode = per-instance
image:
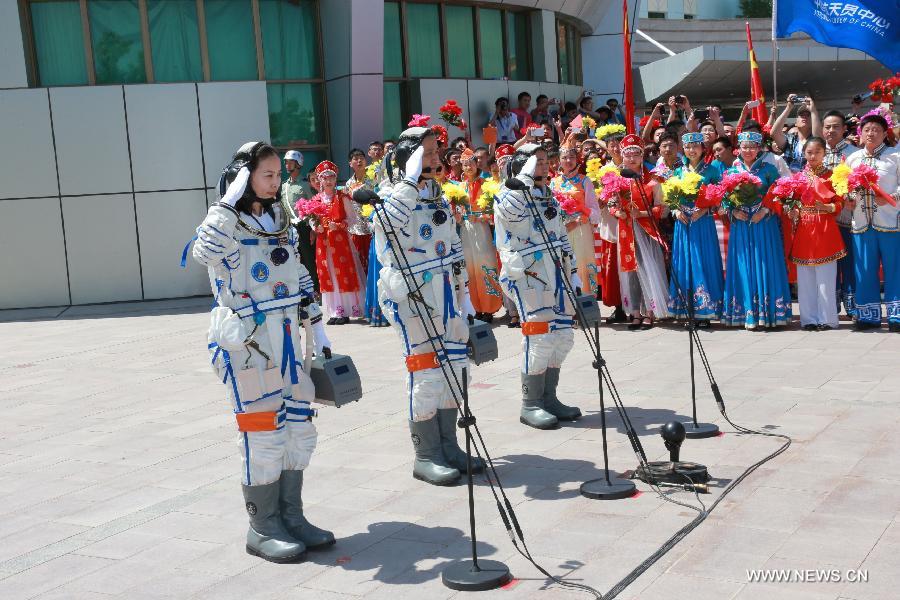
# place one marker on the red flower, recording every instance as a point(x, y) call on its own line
point(451, 113)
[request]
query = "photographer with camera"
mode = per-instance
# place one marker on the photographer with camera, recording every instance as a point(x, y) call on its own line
point(505, 122)
point(807, 125)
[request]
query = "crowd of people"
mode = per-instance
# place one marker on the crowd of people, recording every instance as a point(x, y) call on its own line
point(690, 218)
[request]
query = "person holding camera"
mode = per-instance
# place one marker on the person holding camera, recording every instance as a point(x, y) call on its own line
point(264, 296)
point(806, 126)
point(505, 122)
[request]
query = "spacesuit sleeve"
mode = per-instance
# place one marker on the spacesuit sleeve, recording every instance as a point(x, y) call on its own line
point(397, 208)
point(215, 243)
point(512, 207)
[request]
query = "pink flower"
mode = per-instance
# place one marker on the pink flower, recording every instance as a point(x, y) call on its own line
point(419, 120)
point(862, 176)
point(613, 184)
point(793, 186)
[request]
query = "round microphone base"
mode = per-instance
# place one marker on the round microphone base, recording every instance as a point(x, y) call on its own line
point(698, 431)
point(679, 473)
point(463, 576)
point(614, 489)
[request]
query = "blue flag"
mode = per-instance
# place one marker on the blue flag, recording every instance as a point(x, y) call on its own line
point(872, 26)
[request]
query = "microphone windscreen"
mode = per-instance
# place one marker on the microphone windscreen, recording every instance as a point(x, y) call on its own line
point(515, 184)
point(364, 196)
point(629, 174)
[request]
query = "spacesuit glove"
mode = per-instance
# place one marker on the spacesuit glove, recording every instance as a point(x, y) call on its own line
point(575, 281)
point(414, 165)
point(320, 339)
point(237, 187)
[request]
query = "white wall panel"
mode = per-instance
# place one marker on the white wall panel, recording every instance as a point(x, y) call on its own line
point(102, 246)
point(367, 104)
point(231, 113)
point(12, 54)
point(91, 144)
point(166, 221)
point(164, 132)
point(27, 162)
point(33, 256)
point(482, 94)
point(434, 92)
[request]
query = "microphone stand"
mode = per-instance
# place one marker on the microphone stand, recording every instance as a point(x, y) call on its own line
point(693, 429)
point(463, 575)
point(606, 487)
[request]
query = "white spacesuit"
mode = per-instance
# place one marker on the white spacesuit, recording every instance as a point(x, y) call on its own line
point(264, 296)
point(422, 220)
point(532, 280)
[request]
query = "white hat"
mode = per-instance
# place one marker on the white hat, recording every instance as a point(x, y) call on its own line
point(294, 155)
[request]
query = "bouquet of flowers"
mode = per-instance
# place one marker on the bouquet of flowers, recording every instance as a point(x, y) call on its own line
point(312, 211)
point(738, 189)
point(451, 113)
point(595, 170)
point(366, 210)
point(608, 130)
point(569, 204)
point(884, 90)
point(588, 125)
point(646, 119)
point(455, 193)
point(790, 190)
point(862, 177)
point(613, 185)
point(440, 133)
point(678, 189)
point(419, 120)
point(489, 190)
point(372, 170)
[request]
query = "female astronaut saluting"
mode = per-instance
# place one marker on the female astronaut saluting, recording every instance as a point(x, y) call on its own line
point(264, 295)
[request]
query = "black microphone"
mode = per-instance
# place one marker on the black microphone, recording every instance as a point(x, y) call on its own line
point(629, 174)
point(515, 184)
point(364, 196)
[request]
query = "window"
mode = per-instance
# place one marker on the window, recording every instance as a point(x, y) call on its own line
point(174, 40)
point(116, 41)
point(424, 52)
point(393, 110)
point(290, 45)
point(490, 29)
point(393, 41)
point(460, 41)
point(656, 15)
point(59, 43)
point(568, 52)
point(296, 115)
point(230, 40)
point(517, 45)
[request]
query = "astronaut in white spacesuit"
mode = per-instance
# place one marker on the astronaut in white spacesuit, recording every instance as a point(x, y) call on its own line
point(531, 278)
point(264, 296)
point(415, 210)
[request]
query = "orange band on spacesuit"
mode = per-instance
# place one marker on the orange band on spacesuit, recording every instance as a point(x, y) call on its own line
point(535, 328)
point(419, 362)
point(258, 421)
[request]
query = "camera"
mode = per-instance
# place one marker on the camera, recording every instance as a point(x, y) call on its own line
point(857, 99)
point(800, 100)
point(701, 114)
point(588, 93)
point(679, 99)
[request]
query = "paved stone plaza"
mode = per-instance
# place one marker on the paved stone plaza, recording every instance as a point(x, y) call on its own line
point(119, 468)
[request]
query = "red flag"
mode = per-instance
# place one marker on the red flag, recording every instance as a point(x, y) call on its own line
point(629, 92)
point(760, 115)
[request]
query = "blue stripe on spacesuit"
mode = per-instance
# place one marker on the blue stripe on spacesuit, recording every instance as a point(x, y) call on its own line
point(449, 310)
point(410, 381)
point(247, 456)
point(560, 294)
point(288, 358)
point(184, 252)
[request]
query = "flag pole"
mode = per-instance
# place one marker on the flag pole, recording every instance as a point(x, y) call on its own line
point(774, 55)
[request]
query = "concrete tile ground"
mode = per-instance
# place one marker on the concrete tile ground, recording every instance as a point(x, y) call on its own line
point(118, 468)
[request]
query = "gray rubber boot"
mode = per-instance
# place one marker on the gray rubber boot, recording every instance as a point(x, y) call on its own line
point(533, 413)
point(552, 404)
point(296, 524)
point(429, 465)
point(267, 537)
point(453, 454)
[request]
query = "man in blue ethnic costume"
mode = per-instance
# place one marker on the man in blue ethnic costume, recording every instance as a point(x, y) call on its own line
point(534, 281)
point(757, 292)
point(696, 260)
point(264, 295)
point(415, 221)
point(875, 226)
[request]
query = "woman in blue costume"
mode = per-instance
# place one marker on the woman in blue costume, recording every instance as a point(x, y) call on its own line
point(757, 293)
point(373, 310)
point(696, 260)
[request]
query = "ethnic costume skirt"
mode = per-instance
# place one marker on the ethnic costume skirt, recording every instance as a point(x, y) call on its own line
point(373, 310)
point(482, 266)
point(696, 270)
point(645, 289)
point(581, 237)
point(757, 292)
